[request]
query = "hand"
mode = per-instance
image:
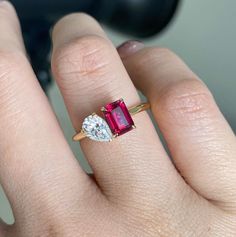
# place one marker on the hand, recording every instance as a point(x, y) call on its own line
point(136, 191)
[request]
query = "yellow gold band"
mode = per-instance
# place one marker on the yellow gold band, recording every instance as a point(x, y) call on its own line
point(139, 108)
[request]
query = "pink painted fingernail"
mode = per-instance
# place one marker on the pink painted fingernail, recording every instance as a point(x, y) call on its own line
point(129, 47)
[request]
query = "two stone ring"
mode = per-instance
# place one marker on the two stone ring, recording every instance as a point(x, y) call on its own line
point(117, 121)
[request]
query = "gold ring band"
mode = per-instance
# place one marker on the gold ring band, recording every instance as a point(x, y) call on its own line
point(99, 129)
point(139, 108)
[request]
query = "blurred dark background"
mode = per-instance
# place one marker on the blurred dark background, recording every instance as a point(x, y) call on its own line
point(140, 18)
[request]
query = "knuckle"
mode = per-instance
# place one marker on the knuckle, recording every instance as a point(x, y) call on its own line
point(82, 57)
point(10, 63)
point(165, 52)
point(156, 56)
point(69, 18)
point(188, 99)
point(50, 231)
point(6, 8)
point(11, 66)
point(5, 59)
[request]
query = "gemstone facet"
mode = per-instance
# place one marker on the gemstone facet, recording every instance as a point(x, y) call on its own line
point(97, 129)
point(118, 117)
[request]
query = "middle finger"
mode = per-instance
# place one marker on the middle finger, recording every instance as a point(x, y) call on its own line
point(90, 74)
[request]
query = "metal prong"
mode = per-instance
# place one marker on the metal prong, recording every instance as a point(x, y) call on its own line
point(133, 126)
point(115, 135)
point(103, 109)
point(79, 136)
point(93, 114)
point(121, 99)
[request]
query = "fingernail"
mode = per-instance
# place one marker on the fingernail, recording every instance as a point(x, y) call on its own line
point(129, 47)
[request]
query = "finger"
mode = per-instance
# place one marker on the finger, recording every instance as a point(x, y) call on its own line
point(3, 228)
point(37, 168)
point(90, 74)
point(200, 140)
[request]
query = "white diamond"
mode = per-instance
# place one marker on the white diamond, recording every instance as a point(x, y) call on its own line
point(97, 129)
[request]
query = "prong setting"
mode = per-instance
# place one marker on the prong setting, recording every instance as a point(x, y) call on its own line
point(103, 109)
point(118, 117)
point(115, 135)
point(117, 121)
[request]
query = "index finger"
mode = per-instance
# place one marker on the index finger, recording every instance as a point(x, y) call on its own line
point(33, 151)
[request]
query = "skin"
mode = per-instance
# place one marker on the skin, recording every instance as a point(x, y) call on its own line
point(136, 190)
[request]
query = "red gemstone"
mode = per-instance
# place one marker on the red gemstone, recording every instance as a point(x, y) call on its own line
point(118, 117)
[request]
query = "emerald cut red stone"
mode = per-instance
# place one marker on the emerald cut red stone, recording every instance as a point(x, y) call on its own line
point(118, 117)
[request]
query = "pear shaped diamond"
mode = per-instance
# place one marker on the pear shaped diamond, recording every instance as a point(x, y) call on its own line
point(97, 129)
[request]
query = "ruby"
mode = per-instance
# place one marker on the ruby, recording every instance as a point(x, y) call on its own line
point(118, 117)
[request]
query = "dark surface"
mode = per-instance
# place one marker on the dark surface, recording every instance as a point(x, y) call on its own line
point(139, 18)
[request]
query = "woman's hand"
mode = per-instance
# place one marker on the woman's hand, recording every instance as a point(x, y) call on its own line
point(136, 191)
